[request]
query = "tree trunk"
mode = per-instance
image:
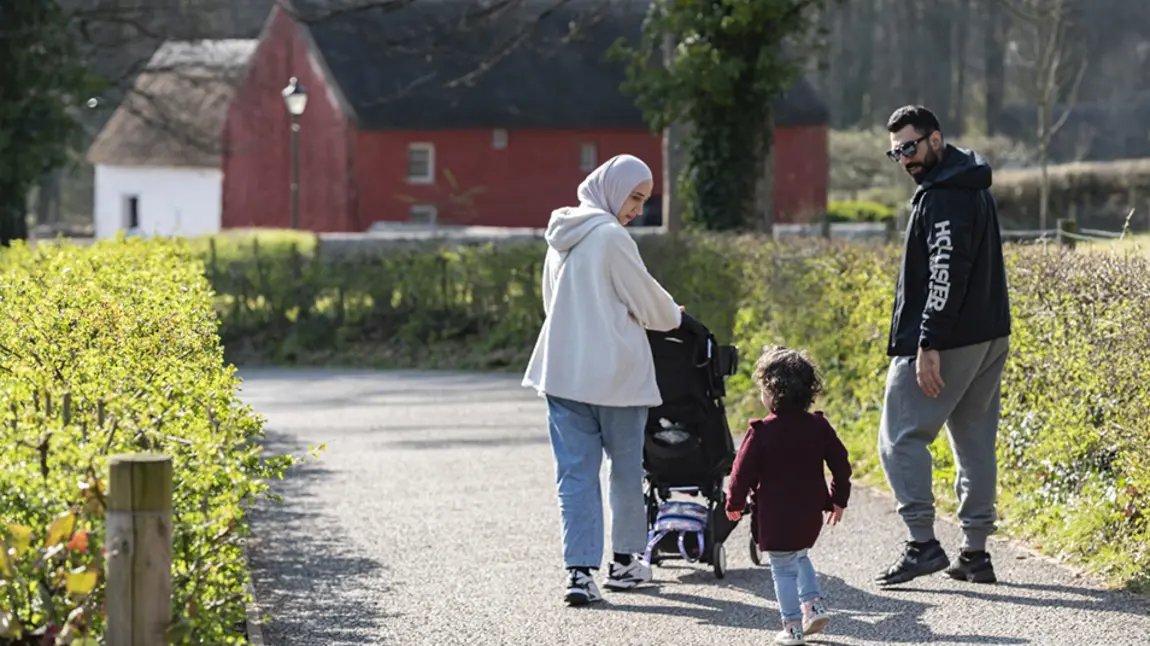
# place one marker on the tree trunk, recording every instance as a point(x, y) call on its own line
point(1043, 189)
point(995, 50)
point(48, 198)
point(763, 210)
point(961, 33)
point(673, 160)
point(13, 216)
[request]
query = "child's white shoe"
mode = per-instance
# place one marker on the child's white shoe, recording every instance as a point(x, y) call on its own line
point(815, 617)
point(791, 634)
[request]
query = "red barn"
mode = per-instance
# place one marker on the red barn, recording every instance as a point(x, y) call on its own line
point(421, 114)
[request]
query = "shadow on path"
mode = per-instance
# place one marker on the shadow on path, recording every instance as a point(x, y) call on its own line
point(856, 613)
point(302, 564)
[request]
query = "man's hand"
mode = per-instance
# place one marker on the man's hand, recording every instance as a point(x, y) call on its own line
point(928, 372)
point(834, 517)
point(734, 515)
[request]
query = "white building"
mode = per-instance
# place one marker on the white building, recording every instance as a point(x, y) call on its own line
point(157, 161)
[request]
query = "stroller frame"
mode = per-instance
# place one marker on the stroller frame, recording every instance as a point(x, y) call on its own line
point(719, 362)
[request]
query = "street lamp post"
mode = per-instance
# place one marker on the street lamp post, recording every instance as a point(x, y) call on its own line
point(295, 98)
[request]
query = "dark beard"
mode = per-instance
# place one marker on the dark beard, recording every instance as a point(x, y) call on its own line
point(920, 171)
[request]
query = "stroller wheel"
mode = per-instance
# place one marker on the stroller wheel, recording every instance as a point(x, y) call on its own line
point(719, 561)
point(756, 553)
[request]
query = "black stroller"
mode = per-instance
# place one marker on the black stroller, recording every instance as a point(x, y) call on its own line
point(688, 447)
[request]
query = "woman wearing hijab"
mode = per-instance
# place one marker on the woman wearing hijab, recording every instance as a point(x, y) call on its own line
point(592, 362)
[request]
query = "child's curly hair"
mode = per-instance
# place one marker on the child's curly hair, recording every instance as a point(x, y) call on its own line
point(787, 378)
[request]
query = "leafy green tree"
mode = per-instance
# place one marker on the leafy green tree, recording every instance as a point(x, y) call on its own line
point(42, 82)
point(728, 65)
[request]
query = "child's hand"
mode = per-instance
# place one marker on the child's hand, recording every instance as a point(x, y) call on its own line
point(734, 515)
point(836, 516)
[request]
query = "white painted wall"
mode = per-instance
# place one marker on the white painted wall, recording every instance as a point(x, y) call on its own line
point(169, 201)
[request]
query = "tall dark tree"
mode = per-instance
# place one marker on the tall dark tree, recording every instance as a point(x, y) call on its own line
point(43, 84)
point(729, 66)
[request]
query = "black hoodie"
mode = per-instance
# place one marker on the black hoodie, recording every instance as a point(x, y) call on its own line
point(952, 283)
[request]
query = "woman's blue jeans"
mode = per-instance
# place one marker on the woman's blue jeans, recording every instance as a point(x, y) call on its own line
point(580, 433)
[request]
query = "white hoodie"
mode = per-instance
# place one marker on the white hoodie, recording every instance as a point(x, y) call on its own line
point(598, 298)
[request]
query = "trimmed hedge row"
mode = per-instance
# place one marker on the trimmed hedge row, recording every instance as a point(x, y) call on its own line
point(1099, 194)
point(111, 349)
point(1075, 437)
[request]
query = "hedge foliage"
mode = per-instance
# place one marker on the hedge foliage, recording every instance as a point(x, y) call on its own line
point(1075, 435)
point(112, 349)
point(859, 212)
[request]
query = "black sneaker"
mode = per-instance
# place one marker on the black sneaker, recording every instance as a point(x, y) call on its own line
point(918, 559)
point(581, 589)
point(974, 567)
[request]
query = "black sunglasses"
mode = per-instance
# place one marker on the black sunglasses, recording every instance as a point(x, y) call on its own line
point(907, 148)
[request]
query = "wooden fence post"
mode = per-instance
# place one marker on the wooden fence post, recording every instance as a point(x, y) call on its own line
point(139, 565)
point(1067, 225)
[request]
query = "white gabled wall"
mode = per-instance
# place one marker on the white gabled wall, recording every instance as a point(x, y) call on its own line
point(170, 201)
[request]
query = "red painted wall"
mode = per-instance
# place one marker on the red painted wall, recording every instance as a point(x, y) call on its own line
point(256, 136)
point(802, 173)
point(539, 171)
point(476, 184)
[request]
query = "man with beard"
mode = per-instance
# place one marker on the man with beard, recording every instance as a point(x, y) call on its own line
point(949, 339)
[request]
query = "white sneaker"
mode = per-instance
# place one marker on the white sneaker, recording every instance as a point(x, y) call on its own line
point(581, 589)
point(791, 635)
point(626, 577)
point(816, 618)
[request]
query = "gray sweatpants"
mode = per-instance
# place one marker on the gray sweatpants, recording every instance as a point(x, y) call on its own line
point(969, 406)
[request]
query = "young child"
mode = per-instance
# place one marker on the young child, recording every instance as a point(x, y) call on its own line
point(781, 464)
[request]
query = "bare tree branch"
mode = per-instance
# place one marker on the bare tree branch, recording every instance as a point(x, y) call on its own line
point(1071, 99)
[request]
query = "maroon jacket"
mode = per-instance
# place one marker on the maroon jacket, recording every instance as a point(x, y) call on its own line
point(781, 464)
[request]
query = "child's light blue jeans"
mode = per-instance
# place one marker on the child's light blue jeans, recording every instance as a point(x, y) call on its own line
point(579, 435)
point(795, 582)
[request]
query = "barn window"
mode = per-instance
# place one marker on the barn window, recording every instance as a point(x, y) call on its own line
point(588, 156)
point(499, 139)
point(423, 213)
point(421, 163)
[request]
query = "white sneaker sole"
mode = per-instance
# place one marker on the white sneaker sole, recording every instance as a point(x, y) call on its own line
point(626, 584)
point(817, 625)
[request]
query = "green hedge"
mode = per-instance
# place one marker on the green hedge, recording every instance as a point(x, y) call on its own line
point(1075, 446)
point(111, 349)
point(859, 211)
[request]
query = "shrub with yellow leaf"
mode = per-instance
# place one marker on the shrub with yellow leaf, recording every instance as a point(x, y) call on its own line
point(108, 349)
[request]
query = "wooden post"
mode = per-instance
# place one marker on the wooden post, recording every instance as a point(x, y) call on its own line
point(1067, 225)
point(139, 565)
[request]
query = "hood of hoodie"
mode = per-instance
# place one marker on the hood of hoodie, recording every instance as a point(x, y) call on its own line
point(959, 168)
point(569, 225)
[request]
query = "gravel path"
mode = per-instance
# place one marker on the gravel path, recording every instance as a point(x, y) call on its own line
point(432, 519)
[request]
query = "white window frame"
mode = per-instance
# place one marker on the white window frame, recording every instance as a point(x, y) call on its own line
point(588, 156)
point(429, 149)
point(499, 139)
point(430, 210)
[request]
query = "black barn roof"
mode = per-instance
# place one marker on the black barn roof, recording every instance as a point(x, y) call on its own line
point(395, 63)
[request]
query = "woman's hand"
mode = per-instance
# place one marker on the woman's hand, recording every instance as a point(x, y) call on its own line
point(734, 515)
